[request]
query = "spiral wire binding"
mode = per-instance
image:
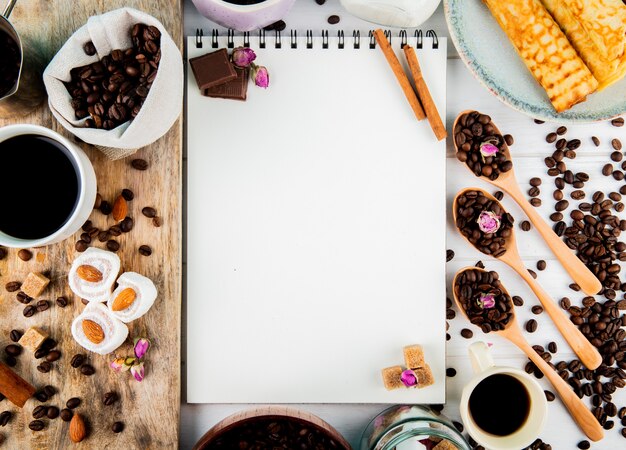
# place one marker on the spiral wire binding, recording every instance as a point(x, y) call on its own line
point(356, 38)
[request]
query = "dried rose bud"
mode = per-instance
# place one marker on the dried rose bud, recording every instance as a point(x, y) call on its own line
point(141, 347)
point(487, 301)
point(408, 378)
point(488, 148)
point(117, 364)
point(138, 371)
point(488, 222)
point(243, 56)
point(260, 75)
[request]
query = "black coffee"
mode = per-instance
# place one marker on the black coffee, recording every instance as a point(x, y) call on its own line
point(39, 186)
point(9, 63)
point(244, 2)
point(500, 405)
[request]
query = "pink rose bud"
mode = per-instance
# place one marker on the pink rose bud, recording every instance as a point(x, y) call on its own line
point(243, 56)
point(488, 222)
point(138, 371)
point(117, 364)
point(141, 347)
point(488, 149)
point(261, 76)
point(408, 378)
point(487, 301)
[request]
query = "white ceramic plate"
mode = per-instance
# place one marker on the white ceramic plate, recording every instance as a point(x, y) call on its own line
point(487, 52)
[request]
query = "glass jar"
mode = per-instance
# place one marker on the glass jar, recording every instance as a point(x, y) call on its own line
point(410, 427)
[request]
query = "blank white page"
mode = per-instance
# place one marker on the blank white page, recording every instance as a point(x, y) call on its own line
point(316, 230)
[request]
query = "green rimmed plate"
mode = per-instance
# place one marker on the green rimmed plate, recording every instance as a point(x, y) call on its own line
point(487, 52)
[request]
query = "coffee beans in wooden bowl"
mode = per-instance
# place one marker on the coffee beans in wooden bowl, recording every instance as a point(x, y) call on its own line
point(480, 146)
point(484, 299)
point(483, 221)
point(111, 91)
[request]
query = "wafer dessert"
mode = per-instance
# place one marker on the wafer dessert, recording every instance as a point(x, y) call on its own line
point(597, 30)
point(133, 297)
point(93, 274)
point(96, 330)
point(545, 50)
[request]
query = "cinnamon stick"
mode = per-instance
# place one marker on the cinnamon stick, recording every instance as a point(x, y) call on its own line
point(14, 387)
point(424, 93)
point(395, 65)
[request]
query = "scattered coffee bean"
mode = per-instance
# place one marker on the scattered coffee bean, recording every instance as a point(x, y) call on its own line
point(5, 417)
point(23, 298)
point(87, 370)
point(39, 411)
point(595, 140)
point(145, 250)
point(333, 20)
point(157, 221)
point(450, 372)
point(449, 255)
point(126, 225)
point(77, 361)
point(49, 390)
point(66, 414)
point(549, 396)
point(109, 398)
point(105, 208)
point(49, 343)
point(534, 191)
point(13, 286)
point(41, 396)
point(584, 445)
point(550, 138)
point(525, 225)
point(16, 335)
point(128, 195)
point(517, 300)
point(467, 333)
point(44, 367)
point(89, 49)
point(532, 273)
point(556, 217)
point(139, 164)
point(537, 309)
point(117, 427)
point(61, 302)
point(561, 205)
point(536, 202)
point(552, 348)
point(36, 425)
point(29, 311)
point(561, 130)
point(73, 403)
point(499, 195)
point(149, 212)
point(81, 245)
point(617, 122)
point(84, 301)
point(53, 356)
point(52, 413)
point(25, 255)
point(13, 350)
point(531, 326)
point(616, 156)
point(539, 121)
point(535, 181)
point(43, 305)
point(113, 245)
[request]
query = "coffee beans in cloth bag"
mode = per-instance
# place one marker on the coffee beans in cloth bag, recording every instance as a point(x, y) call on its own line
point(139, 103)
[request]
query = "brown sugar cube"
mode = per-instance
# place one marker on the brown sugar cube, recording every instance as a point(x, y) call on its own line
point(413, 356)
point(445, 445)
point(34, 284)
point(32, 339)
point(391, 378)
point(424, 376)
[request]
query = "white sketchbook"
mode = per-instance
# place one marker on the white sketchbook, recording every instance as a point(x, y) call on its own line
point(316, 228)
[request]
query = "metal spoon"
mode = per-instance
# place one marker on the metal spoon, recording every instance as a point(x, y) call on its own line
point(587, 353)
point(577, 409)
point(508, 183)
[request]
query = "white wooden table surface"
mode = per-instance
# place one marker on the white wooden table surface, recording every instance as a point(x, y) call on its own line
point(528, 151)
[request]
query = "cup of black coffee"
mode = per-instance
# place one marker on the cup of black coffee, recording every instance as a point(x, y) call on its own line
point(48, 185)
point(502, 408)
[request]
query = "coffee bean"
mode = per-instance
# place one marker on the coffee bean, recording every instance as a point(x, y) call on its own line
point(517, 300)
point(149, 212)
point(5, 417)
point(23, 298)
point(53, 356)
point(595, 140)
point(552, 348)
point(525, 225)
point(13, 350)
point(550, 138)
point(109, 398)
point(536, 202)
point(84, 301)
point(499, 195)
point(52, 413)
point(13, 286)
point(139, 164)
point(556, 217)
point(113, 245)
point(43, 305)
point(36, 425)
point(73, 403)
point(449, 255)
point(25, 255)
point(450, 372)
point(561, 205)
point(607, 170)
point(87, 370)
point(105, 208)
point(549, 396)
point(89, 49)
point(145, 250)
point(619, 176)
point(77, 360)
point(61, 302)
point(41, 396)
point(81, 245)
point(117, 427)
point(104, 236)
point(508, 139)
point(535, 181)
point(128, 194)
point(44, 367)
point(531, 326)
point(29, 311)
point(49, 391)
point(539, 121)
point(66, 414)
point(617, 122)
point(584, 445)
point(16, 335)
point(157, 221)
point(467, 333)
point(532, 273)
point(333, 20)
point(561, 130)
point(39, 411)
point(534, 191)
point(49, 343)
point(537, 309)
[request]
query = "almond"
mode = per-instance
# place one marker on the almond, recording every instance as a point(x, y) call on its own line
point(124, 299)
point(120, 208)
point(93, 331)
point(78, 429)
point(89, 273)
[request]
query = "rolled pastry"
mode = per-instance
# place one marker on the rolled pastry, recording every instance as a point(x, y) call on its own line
point(96, 330)
point(597, 30)
point(133, 297)
point(93, 274)
point(545, 50)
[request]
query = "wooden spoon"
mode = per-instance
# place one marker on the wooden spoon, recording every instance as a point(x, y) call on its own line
point(587, 353)
point(577, 409)
point(508, 183)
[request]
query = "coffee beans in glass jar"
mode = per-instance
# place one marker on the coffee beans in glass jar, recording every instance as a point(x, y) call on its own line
point(484, 222)
point(483, 298)
point(480, 146)
point(110, 92)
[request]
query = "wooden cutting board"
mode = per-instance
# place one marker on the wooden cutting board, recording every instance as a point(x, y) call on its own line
point(150, 409)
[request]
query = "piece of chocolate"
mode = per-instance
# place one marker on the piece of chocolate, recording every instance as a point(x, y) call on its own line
point(212, 69)
point(236, 89)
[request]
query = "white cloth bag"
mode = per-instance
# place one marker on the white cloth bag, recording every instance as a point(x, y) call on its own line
point(161, 108)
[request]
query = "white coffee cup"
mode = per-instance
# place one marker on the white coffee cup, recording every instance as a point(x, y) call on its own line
point(484, 367)
point(86, 190)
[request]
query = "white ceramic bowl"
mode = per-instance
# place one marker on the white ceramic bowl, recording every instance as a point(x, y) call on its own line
point(244, 17)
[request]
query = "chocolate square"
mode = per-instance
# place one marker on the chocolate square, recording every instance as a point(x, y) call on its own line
point(212, 69)
point(236, 89)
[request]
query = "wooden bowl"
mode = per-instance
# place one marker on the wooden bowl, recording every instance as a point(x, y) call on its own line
point(270, 412)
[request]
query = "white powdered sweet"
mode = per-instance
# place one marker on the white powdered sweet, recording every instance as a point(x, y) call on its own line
point(145, 292)
point(115, 331)
point(107, 263)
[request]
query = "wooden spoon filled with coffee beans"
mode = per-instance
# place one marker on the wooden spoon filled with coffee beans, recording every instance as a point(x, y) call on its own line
point(485, 302)
point(485, 224)
point(480, 145)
